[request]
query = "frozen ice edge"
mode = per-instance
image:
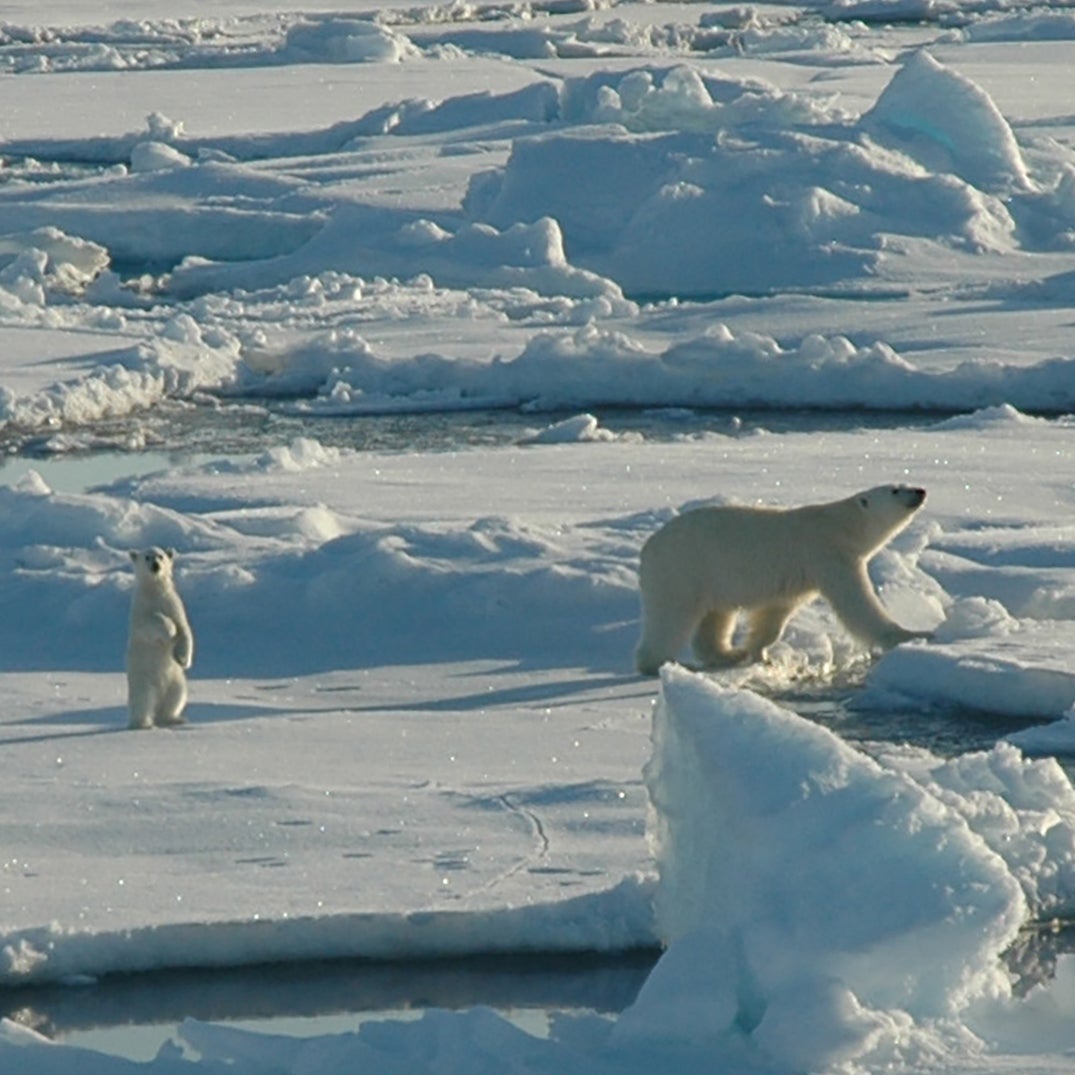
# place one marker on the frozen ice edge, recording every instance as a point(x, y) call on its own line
point(614, 921)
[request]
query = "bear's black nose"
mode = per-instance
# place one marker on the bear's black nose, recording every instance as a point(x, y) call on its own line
point(919, 496)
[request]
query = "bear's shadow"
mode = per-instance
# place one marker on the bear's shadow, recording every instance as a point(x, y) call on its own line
point(522, 694)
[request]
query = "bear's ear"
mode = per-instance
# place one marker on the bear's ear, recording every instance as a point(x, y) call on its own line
point(133, 554)
point(170, 553)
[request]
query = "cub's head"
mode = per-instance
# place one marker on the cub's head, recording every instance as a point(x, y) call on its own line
point(153, 565)
point(886, 509)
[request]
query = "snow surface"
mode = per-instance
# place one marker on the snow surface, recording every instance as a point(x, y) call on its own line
point(414, 730)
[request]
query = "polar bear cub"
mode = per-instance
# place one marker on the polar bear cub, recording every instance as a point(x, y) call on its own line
point(160, 646)
point(705, 566)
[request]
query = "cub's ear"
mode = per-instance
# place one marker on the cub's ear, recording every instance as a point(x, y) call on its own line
point(170, 553)
point(133, 554)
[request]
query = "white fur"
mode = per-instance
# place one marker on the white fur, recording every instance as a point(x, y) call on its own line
point(160, 646)
point(705, 566)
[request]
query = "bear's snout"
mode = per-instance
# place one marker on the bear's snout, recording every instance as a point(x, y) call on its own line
point(909, 495)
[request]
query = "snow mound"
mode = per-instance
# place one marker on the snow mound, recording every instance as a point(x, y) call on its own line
point(340, 40)
point(786, 173)
point(830, 866)
point(591, 366)
point(825, 905)
point(35, 263)
point(582, 427)
point(520, 255)
point(967, 136)
point(303, 453)
point(1015, 668)
point(156, 157)
point(988, 418)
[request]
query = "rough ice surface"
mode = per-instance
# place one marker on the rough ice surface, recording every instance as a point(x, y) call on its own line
point(414, 730)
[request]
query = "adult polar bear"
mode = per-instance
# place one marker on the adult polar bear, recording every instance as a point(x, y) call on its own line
point(705, 566)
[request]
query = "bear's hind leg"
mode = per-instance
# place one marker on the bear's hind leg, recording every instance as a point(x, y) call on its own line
point(712, 640)
point(766, 626)
point(665, 630)
point(141, 704)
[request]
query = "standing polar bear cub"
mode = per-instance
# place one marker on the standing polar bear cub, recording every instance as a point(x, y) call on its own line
point(160, 647)
point(705, 566)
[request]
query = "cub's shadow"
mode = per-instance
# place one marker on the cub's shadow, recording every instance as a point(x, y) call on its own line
point(104, 720)
point(68, 724)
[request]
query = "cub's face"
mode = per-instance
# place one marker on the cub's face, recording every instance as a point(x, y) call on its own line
point(153, 564)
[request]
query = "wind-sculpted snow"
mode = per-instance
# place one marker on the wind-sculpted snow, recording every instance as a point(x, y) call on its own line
point(556, 203)
point(530, 29)
point(752, 937)
point(825, 195)
point(548, 28)
point(720, 369)
point(981, 148)
point(818, 187)
point(382, 587)
point(1031, 25)
point(523, 256)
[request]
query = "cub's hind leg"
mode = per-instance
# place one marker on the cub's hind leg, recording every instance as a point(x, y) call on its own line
point(141, 703)
point(172, 701)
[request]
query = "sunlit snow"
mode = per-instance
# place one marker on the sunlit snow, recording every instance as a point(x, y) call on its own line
point(414, 729)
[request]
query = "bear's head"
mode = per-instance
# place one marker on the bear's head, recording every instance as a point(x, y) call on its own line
point(153, 565)
point(884, 511)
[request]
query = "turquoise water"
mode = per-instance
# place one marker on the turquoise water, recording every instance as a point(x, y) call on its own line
point(78, 472)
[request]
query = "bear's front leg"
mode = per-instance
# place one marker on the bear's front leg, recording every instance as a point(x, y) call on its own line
point(849, 591)
point(184, 648)
point(155, 630)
